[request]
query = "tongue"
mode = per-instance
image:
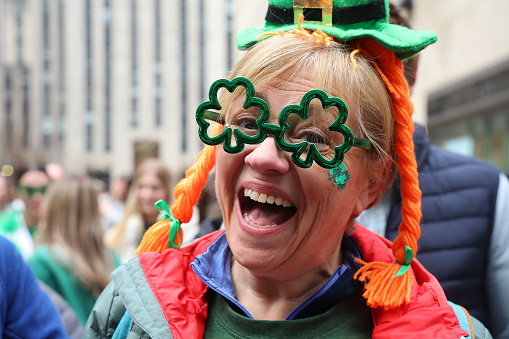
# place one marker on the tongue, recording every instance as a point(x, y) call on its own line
point(265, 214)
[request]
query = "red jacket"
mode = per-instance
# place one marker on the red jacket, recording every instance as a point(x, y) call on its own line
point(183, 296)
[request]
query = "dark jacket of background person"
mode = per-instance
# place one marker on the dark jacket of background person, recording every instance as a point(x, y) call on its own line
point(459, 197)
point(25, 310)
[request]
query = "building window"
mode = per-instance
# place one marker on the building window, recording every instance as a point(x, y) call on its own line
point(107, 75)
point(7, 118)
point(183, 73)
point(230, 13)
point(134, 62)
point(471, 116)
point(480, 136)
point(61, 72)
point(47, 78)
point(201, 46)
point(89, 109)
point(19, 33)
point(158, 62)
point(26, 107)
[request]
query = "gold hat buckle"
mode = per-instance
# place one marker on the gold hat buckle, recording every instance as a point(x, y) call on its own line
point(313, 9)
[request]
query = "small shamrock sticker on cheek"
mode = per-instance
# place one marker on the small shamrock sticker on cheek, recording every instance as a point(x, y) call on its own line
point(340, 176)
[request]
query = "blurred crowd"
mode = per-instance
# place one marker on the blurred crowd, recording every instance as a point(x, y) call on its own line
point(73, 231)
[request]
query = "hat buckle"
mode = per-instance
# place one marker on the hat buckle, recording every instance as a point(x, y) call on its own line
point(314, 11)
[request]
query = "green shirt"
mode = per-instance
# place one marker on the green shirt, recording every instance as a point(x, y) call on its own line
point(12, 226)
point(54, 274)
point(350, 318)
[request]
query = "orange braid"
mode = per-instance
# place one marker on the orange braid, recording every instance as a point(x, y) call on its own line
point(385, 287)
point(186, 193)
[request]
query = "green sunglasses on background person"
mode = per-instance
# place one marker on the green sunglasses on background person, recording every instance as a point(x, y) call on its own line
point(27, 192)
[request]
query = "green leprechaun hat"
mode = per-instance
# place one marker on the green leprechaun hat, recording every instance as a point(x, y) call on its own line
point(342, 19)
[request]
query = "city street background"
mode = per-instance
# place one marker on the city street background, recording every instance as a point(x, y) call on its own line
point(99, 85)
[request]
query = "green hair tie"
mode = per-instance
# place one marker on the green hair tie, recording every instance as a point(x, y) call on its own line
point(409, 255)
point(162, 207)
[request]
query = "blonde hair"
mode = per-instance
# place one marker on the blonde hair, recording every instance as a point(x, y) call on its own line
point(72, 221)
point(115, 236)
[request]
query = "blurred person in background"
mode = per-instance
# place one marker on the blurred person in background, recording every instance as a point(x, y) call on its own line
point(112, 203)
point(151, 183)
point(20, 218)
point(31, 186)
point(465, 224)
point(25, 310)
point(55, 171)
point(6, 193)
point(71, 257)
point(8, 215)
point(8, 224)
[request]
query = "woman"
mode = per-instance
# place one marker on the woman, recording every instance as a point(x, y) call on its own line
point(151, 183)
point(312, 128)
point(71, 257)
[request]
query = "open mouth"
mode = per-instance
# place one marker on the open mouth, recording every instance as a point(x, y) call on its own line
point(263, 211)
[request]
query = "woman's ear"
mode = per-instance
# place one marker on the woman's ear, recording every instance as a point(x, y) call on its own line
point(381, 176)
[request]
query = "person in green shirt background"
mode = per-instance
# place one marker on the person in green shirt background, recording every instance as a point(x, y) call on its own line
point(19, 217)
point(71, 256)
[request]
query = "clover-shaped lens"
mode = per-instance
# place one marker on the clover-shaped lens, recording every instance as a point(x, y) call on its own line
point(315, 130)
point(242, 118)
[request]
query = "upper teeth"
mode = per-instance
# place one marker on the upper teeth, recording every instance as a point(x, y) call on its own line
point(264, 198)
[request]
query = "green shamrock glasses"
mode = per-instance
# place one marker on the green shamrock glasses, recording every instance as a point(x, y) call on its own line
point(27, 192)
point(314, 130)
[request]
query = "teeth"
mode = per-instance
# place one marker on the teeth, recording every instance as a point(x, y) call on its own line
point(264, 198)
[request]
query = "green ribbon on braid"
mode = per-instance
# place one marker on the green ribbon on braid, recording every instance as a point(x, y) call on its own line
point(175, 228)
point(409, 255)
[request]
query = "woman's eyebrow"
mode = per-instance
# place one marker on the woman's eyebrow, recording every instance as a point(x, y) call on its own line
point(262, 96)
point(214, 116)
point(315, 106)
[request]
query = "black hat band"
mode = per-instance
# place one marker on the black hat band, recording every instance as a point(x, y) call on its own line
point(340, 15)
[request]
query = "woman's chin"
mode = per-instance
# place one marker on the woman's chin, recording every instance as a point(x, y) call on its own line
point(258, 247)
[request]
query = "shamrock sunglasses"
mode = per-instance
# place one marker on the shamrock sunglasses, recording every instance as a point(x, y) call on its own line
point(27, 192)
point(303, 130)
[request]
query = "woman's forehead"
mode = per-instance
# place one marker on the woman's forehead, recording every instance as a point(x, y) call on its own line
point(34, 177)
point(291, 88)
point(280, 92)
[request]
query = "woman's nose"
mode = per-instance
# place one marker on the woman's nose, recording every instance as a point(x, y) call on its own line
point(266, 157)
